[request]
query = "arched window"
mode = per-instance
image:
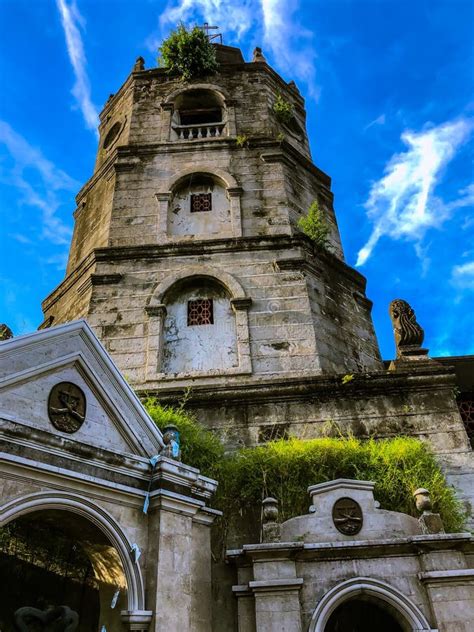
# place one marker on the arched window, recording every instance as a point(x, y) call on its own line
point(197, 114)
point(199, 333)
point(199, 205)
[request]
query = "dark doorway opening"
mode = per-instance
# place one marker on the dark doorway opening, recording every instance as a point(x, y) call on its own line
point(357, 615)
point(50, 559)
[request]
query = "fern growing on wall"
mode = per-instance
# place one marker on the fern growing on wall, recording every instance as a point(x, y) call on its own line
point(315, 226)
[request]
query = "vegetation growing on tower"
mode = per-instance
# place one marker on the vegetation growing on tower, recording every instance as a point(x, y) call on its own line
point(315, 226)
point(283, 110)
point(188, 52)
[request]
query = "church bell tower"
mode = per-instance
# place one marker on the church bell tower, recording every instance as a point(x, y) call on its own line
point(186, 257)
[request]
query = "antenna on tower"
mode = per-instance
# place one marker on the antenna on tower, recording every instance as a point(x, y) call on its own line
point(206, 28)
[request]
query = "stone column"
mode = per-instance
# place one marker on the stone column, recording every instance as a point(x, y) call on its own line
point(448, 582)
point(156, 319)
point(245, 608)
point(276, 588)
point(179, 549)
point(277, 604)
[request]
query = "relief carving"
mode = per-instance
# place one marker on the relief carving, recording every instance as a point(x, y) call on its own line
point(67, 407)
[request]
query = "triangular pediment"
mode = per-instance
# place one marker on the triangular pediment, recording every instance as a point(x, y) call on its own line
point(62, 381)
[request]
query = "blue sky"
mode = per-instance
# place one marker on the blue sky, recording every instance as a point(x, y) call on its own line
point(389, 94)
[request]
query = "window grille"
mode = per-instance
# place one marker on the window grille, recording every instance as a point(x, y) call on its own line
point(466, 409)
point(201, 202)
point(200, 312)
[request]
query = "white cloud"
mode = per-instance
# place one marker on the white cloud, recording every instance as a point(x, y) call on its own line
point(72, 21)
point(39, 192)
point(402, 203)
point(289, 43)
point(463, 275)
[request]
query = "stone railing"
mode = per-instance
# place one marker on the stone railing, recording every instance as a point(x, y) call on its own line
point(197, 132)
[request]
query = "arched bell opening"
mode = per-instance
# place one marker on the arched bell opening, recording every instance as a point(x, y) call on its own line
point(198, 113)
point(58, 564)
point(365, 615)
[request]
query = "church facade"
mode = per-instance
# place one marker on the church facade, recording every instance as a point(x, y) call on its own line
point(189, 266)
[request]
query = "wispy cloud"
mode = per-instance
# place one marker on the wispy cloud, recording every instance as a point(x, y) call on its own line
point(402, 204)
point(380, 120)
point(38, 180)
point(463, 276)
point(72, 22)
point(274, 22)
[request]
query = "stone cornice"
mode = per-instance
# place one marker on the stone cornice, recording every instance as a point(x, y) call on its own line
point(224, 69)
point(311, 387)
point(353, 549)
point(458, 576)
point(237, 244)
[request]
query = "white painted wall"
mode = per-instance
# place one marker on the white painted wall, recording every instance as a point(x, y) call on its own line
point(181, 222)
point(199, 347)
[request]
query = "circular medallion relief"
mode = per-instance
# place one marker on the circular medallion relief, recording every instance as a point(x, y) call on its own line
point(347, 516)
point(67, 407)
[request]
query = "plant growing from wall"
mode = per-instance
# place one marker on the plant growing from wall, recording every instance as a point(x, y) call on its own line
point(188, 52)
point(283, 110)
point(286, 467)
point(315, 226)
point(242, 140)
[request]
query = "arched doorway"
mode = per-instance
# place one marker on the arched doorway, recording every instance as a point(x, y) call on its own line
point(360, 615)
point(53, 558)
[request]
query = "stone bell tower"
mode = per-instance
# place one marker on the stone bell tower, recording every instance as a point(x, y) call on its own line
point(186, 257)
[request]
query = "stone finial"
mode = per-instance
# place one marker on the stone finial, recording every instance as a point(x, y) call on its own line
point(429, 522)
point(5, 332)
point(171, 439)
point(270, 524)
point(139, 64)
point(258, 56)
point(408, 333)
point(422, 499)
point(293, 86)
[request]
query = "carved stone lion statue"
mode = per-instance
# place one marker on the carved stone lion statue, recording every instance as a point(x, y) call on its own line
point(407, 331)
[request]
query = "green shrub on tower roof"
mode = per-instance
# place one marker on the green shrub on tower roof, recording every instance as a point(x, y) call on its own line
point(188, 52)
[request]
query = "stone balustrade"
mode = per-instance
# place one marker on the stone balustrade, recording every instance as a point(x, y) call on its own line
point(196, 132)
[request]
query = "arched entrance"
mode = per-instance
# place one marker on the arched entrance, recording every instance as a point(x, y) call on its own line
point(54, 558)
point(358, 601)
point(360, 615)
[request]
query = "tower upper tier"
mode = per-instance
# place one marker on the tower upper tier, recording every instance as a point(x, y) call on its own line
point(187, 257)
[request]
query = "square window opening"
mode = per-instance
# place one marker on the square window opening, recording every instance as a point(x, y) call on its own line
point(200, 312)
point(201, 202)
